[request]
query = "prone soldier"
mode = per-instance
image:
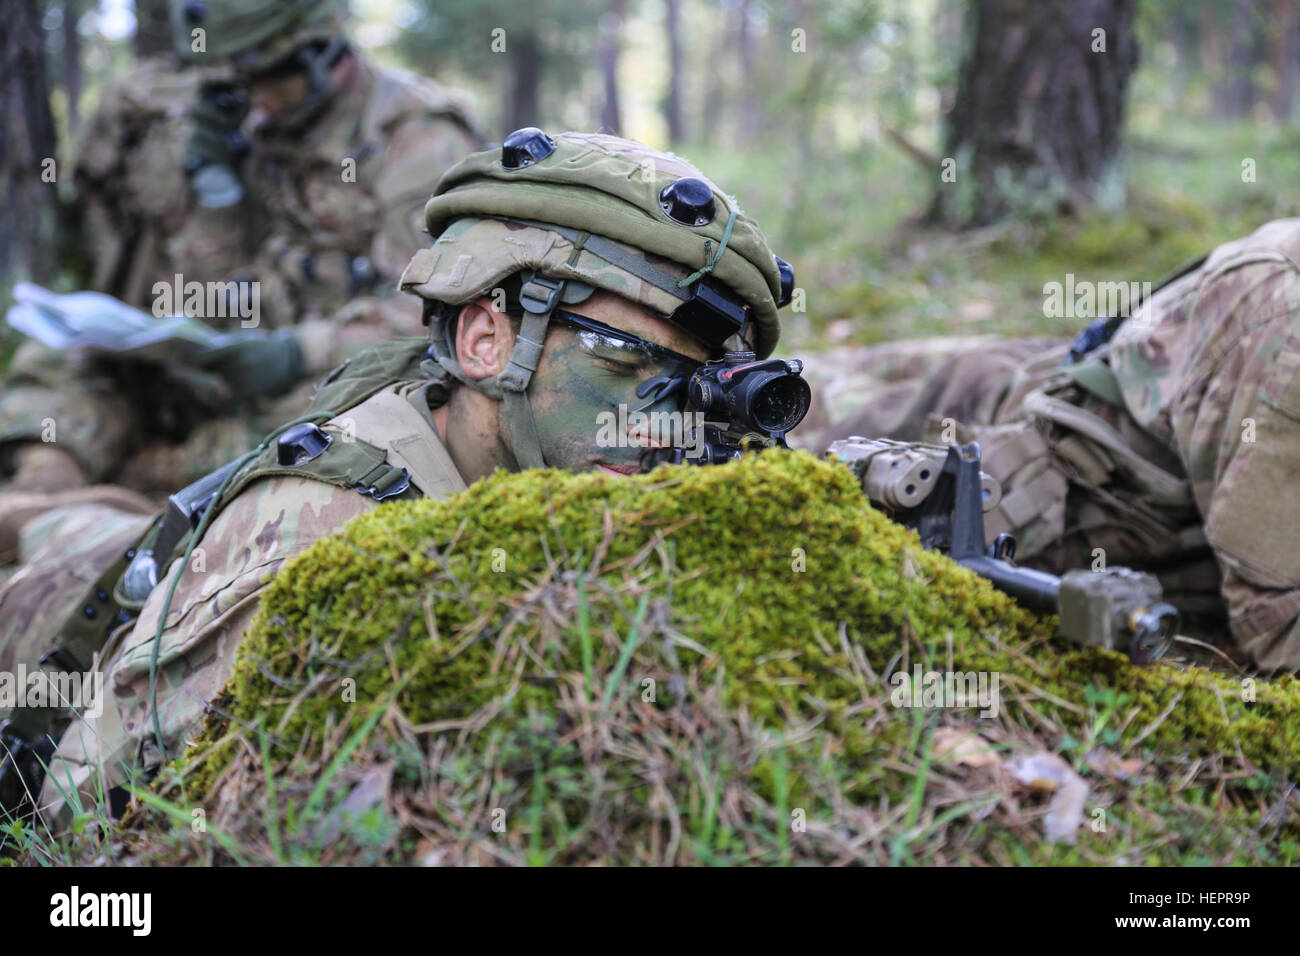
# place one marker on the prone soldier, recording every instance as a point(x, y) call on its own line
point(1167, 441)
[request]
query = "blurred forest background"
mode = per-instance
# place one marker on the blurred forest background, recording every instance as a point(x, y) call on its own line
point(833, 122)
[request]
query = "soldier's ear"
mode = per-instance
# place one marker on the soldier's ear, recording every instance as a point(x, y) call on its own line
point(484, 339)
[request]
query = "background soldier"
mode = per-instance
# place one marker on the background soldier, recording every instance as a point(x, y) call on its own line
point(296, 171)
point(1173, 447)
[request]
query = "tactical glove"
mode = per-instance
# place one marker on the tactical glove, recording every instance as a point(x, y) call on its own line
point(256, 363)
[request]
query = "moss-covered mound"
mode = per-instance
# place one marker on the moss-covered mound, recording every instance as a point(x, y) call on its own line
point(696, 666)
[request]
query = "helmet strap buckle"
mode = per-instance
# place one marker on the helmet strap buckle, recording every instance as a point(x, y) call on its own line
point(540, 294)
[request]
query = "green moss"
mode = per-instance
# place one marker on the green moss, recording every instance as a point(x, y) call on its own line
point(710, 563)
point(610, 661)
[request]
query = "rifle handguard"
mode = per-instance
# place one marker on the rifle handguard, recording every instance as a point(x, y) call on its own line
point(941, 492)
point(901, 475)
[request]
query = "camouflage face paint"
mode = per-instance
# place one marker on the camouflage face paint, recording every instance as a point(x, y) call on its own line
point(582, 379)
point(624, 368)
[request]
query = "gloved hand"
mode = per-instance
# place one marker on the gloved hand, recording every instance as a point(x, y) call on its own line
point(254, 362)
point(216, 147)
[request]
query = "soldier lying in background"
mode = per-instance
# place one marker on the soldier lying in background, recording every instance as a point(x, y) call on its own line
point(1173, 446)
point(282, 160)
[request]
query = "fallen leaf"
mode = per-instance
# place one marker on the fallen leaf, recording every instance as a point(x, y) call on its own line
point(977, 310)
point(1049, 773)
point(1108, 764)
point(956, 746)
point(372, 789)
point(840, 329)
point(430, 853)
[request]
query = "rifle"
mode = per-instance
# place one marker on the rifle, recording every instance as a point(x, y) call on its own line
point(937, 490)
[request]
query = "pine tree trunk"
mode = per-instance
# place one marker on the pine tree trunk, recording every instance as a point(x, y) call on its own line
point(1236, 51)
point(611, 26)
point(152, 28)
point(673, 102)
point(1037, 121)
point(523, 105)
point(1284, 55)
point(712, 110)
point(750, 123)
point(1185, 34)
point(28, 146)
point(72, 10)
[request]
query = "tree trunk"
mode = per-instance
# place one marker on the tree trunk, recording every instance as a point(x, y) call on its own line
point(522, 107)
point(1284, 56)
point(749, 111)
point(715, 96)
point(1232, 93)
point(72, 61)
point(28, 146)
point(673, 103)
point(611, 25)
point(1185, 34)
point(152, 28)
point(1038, 118)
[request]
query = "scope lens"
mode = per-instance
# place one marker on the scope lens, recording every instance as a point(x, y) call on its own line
point(780, 403)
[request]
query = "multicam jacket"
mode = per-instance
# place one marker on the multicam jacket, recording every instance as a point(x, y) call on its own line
point(272, 518)
point(1175, 448)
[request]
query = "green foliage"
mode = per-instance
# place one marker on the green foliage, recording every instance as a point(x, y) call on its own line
point(461, 33)
point(872, 272)
point(650, 680)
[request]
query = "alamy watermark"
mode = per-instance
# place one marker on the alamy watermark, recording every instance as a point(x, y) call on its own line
point(946, 689)
point(132, 911)
point(81, 692)
point(209, 300)
point(1083, 299)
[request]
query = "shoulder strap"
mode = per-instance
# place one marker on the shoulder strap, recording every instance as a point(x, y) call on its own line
point(379, 446)
point(388, 442)
point(389, 421)
point(352, 382)
point(1164, 488)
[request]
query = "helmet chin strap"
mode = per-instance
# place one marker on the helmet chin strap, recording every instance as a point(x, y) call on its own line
point(539, 297)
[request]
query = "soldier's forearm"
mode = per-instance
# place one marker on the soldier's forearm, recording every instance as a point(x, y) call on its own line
point(364, 322)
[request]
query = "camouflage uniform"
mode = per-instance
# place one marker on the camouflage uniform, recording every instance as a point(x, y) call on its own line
point(323, 248)
point(130, 180)
point(1173, 449)
point(215, 602)
point(641, 252)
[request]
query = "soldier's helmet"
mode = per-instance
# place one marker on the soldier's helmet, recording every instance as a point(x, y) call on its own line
point(253, 36)
point(571, 213)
